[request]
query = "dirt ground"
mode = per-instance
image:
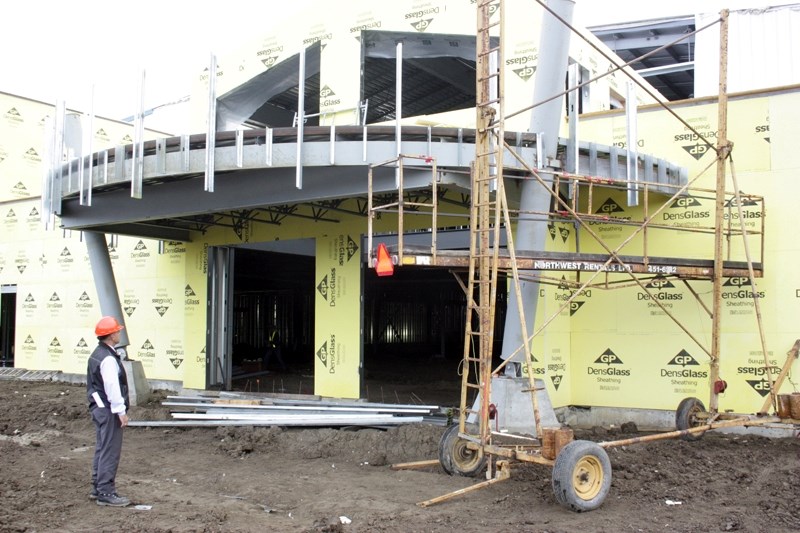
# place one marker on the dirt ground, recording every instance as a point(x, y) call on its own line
point(273, 479)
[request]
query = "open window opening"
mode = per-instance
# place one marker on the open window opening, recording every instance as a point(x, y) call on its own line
point(270, 99)
point(438, 73)
point(584, 94)
point(616, 100)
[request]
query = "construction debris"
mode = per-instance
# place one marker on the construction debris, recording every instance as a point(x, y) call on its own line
point(29, 375)
point(235, 409)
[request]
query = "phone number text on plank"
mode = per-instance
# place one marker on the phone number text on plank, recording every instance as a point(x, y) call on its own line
point(662, 269)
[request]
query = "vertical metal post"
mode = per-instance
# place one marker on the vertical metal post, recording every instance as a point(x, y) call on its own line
point(58, 154)
point(428, 150)
point(435, 213)
point(398, 106)
point(632, 141)
point(161, 155)
point(51, 192)
point(239, 147)
point(105, 167)
point(137, 163)
point(220, 316)
point(613, 162)
point(370, 217)
point(364, 143)
point(722, 155)
point(332, 145)
point(400, 210)
point(573, 109)
point(70, 160)
point(48, 170)
point(85, 172)
point(90, 144)
point(185, 148)
point(80, 167)
point(268, 146)
point(119, 163)
point(460, 142)
point(539, 150)
point(301, 118)
point(211, 132)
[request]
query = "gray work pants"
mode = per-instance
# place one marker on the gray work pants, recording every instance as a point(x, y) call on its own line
point(107, 451)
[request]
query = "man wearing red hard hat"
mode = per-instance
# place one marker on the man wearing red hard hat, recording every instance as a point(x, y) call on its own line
point(107, 391)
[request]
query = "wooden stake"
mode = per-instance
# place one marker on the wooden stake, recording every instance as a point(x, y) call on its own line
point(503, 473)
point(415, 464)
point(744, 422)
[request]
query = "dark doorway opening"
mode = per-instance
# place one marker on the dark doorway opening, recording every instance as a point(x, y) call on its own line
point(413, 329)
point(414, 324)
point(273, 304)
point(8, 310)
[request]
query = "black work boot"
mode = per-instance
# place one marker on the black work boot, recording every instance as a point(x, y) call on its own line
point(93, 493)
point(112, 500)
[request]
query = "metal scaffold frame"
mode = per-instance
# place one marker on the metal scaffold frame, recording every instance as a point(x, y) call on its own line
point(581, 469)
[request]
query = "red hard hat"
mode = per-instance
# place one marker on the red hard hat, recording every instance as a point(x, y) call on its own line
point(106, 326)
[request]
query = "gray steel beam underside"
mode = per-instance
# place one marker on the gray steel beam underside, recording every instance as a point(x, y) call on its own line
point(257, 170)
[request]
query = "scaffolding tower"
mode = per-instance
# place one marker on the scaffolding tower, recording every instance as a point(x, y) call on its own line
point(581, 469)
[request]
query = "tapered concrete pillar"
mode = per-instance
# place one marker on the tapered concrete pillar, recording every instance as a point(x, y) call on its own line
point(106, 287)
point(510, 393)
point(104, 282)
point(545, 119)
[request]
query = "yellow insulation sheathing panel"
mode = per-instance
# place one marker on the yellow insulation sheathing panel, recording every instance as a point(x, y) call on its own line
point(780, 130)
point(644, 334)
point(21, 147)
point(337, 341)
point(57, 304)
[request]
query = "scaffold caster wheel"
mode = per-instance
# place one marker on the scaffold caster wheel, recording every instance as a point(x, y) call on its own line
point(686, 417)
point(581, 476)
point(456, 458)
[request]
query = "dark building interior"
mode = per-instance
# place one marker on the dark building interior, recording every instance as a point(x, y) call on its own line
point(413, 324)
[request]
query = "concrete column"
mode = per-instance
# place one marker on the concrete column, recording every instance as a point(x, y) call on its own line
point(550, 75)
point(106, 286)
point(104, 282)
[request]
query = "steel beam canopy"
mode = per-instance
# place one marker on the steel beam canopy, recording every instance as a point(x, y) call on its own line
point(257, 169)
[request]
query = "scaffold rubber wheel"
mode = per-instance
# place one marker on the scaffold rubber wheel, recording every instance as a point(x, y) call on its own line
point(686, 417)
point(581, 476)
point(458, 459)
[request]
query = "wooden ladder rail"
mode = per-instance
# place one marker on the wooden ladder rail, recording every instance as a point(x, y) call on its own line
point(486, 178)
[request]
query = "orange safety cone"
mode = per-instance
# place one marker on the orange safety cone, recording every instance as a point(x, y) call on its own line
point(384, 265)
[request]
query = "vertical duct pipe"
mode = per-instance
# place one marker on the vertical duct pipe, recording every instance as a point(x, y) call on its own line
point(104, 282)
point(545, 119)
